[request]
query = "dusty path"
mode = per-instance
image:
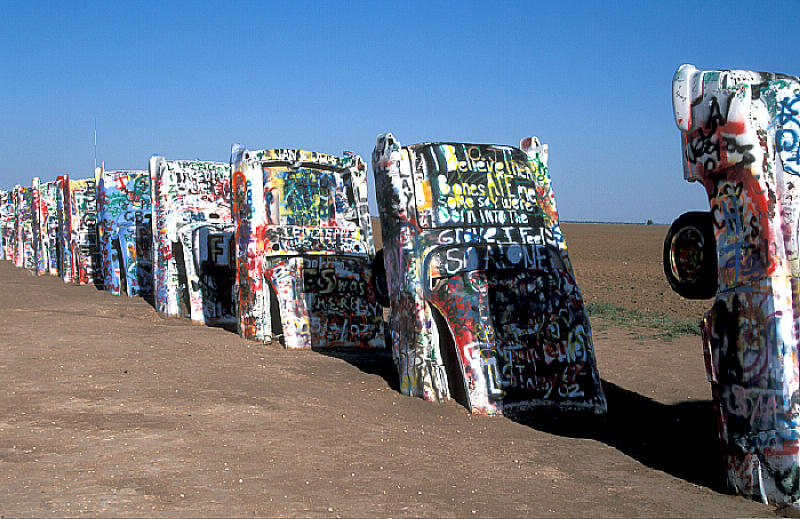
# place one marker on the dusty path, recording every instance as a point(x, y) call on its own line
point(109, 410)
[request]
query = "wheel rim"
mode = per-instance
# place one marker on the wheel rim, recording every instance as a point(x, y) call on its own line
point(686, 254)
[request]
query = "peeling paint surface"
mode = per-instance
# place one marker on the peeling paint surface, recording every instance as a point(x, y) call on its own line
point(191, 235)
point(125, 231)
point(304, 249)
point(483, 297)
point(741, 139)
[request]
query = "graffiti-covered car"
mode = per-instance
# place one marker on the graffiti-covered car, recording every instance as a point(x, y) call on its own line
point(8, 211)
point(85, 254)
point(740, 135)
point(193, 270)
point(125, 231)
point(48, 219)
point(304, 249)
point(66, 267)
point(484, 306)
point(36, 220)
point(24, 253)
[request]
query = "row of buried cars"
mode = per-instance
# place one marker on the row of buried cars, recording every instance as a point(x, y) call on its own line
point(482, 302)
point(278, 244)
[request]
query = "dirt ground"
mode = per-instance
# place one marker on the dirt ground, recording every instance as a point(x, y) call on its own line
point(622, 265)
point(109, 410)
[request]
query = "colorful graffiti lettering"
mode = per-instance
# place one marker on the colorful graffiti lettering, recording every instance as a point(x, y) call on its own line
point(208, 263)
point(191, 205)
point(85, 247)
point(478, 272)
point(304, 249)
point(48, 228)
point(25, 253)
point(8, 216)
point(36, 226)
point(64, 201)
point(740, 140)
point(125, 231)
point(479, 185)
point(787, 139)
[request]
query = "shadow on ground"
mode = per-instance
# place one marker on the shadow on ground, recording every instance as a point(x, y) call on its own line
point(150, 300)
point(373, 362)
point(679, 439)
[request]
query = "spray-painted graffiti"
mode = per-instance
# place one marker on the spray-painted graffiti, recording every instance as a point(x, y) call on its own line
point(304, 249)
point(36, 217)
point(125, 231)
point(48, 228)
point(740, 140)
point(787, 139)
point(477, 271)
point(192, 227)
point(208, 263)
point(66, 268)
point(24, 253)
point(8, 216)
point(85, 254)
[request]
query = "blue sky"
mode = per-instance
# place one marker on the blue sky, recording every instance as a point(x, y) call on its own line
point(187, 79)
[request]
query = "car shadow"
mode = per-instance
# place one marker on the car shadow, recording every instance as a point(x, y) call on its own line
point(373, 362)
point(149, 298)
point(679, 439)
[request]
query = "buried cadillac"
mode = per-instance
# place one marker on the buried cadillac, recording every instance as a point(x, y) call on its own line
point(740, 135)
point(304, 249)
point(484, 307)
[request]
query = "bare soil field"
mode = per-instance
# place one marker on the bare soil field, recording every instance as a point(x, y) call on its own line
point(619, 268)
point(109, 410)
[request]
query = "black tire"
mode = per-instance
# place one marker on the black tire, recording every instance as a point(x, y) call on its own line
point(379, 283)
point(690, 256)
